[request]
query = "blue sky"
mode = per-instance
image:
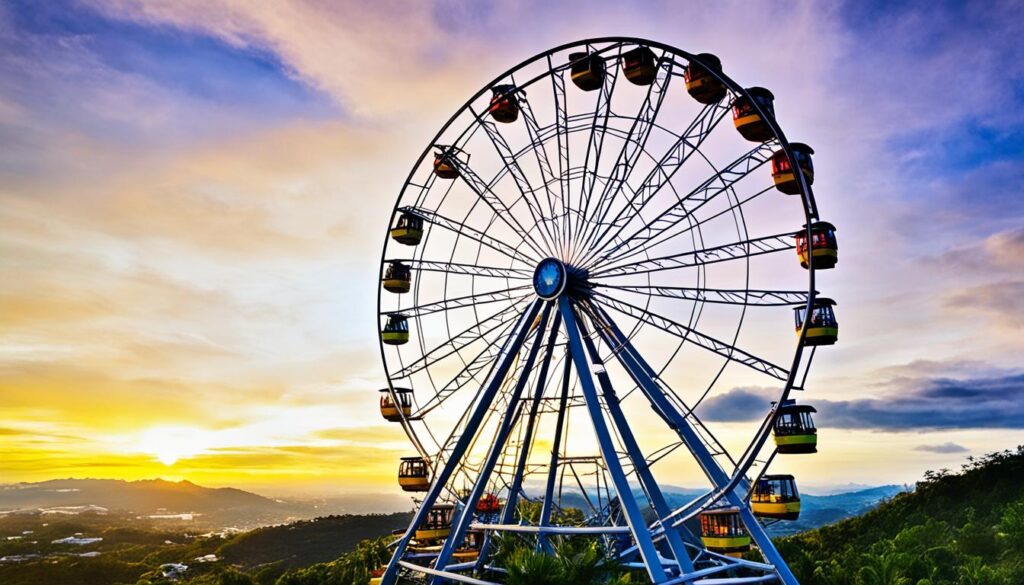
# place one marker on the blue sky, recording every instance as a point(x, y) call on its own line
point(192, 191)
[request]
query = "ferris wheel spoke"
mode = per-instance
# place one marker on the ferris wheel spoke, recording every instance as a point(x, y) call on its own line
point(703, 257)
point(482, 298)
point(459, 341)
point(544, 166)
point(526, 191)
point(629, 154)
point(736, 296)
point(721, 182)
point(688, 143)
point(466, 269)
point(464, 230)
point(463, 378)
point(595, 144)
point(501, 436)
point(483, 191)
point(693, 336)
point(562, 136)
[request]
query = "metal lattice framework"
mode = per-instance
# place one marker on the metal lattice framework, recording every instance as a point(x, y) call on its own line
point(672, 253)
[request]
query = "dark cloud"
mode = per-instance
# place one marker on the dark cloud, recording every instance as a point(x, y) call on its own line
point(943, 448)
point(940, 403)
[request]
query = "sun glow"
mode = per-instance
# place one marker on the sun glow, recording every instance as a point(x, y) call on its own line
point(170, 444)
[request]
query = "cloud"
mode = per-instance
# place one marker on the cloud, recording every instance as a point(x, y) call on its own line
point(930, 404)
point(944, 448)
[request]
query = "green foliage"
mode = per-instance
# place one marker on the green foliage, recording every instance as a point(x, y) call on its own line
point(576, 562)
point(349, 569)
point(962, 528)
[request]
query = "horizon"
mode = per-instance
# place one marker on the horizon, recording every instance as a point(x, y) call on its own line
point(195, 197)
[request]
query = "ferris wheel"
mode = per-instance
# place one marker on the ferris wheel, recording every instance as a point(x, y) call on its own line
point(599, 244)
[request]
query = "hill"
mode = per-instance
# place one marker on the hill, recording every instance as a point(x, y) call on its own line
point(210, 507)
point(113, 548)
point(960, 528)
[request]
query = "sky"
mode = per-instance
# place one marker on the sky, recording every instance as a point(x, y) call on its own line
point(193, 196)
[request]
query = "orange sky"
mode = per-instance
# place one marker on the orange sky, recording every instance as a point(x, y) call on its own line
point(193, 198)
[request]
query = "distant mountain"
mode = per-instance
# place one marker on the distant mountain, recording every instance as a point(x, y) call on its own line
point(185, 500)
point(816, 510)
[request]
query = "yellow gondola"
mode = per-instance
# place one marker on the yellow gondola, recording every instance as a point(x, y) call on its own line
point(776, 496)
point(413, 474)
point(408, 229)
point(377, 575)
point(700, 83)
point(397, 278)
point(395, 411)
point(437, 524)
point(470, 549)
point(794, 429)
point(396, 331)
point(504, 106)
point(640, 66)
point(748, 120)
point(782, 171)
point(587, 71)
point(824, 246)
point(822, 328)
point(722, 531)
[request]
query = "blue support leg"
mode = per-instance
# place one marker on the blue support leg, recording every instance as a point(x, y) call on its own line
point(640, 372)
point(496, 377)
point(643, 471)
point(464, 517)
point(517, 479)
point(634, 518)
point(549, 489)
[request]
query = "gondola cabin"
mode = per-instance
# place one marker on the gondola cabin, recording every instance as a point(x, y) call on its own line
point(824, 253)
point(722, 531)
point(488, 504)
point(822, 328)
point(782, 171)
point(470, 549)
point(794, 429)
point(504, 106)
point(701, 84)
point(395, 410)
point(444, 163)
point(396, 330)
point(413, 474)
point(775, 496)
point(397, 277)
point(748, 120)
point(640, 66)
point(587, 71)
point(408, 229)
point(437, 524)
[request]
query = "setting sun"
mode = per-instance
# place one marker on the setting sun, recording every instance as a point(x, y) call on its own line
point(170, 444)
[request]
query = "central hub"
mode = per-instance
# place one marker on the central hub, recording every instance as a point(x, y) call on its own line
point(550, 278)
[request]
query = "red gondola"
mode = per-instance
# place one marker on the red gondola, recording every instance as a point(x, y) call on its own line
point(504, 106)
point(640, 66)
point(782, 172)
point(824, 247)
point(488, 504)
